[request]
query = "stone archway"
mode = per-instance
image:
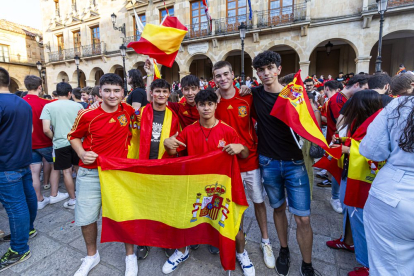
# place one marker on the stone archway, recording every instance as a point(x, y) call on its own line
point(140, 66)
point(290, 59)
point(234, 57)
point(94, 76)
point(82, 79)
point(171, 74)
point(14, 85)
point(62, 77)
point(201, 66)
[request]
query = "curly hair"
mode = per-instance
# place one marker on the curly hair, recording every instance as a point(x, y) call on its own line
point(267, 58)
point(136, 79)
point(406, 141)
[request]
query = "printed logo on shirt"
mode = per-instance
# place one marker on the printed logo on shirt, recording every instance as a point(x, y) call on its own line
point(242, 111)
point(229, 107)
point(185, 113)
point(122, 120)
point(156, 132)
point(112, 120)
point(221, 143)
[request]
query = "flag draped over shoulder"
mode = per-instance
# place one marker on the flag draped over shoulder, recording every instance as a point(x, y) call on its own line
point(140, 144)
point(161, 42)
point(172, 203)
point(361, 171)
point(294, 109)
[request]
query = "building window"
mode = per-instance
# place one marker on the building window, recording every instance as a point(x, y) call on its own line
point(77, 41)
point(163, 13)
point(4, 53)
point(199, 25)
point(95, 35)
point(282, 8)
point(60, 43)
point(236, 11)
point(143, 19)
point(57, 6)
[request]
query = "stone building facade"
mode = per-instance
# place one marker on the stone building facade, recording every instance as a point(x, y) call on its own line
point(19, 52)
point(298, 29)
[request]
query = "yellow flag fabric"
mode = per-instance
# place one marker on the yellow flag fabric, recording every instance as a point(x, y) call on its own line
point(164, 38)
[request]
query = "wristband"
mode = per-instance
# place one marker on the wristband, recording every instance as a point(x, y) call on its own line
point(150, 75)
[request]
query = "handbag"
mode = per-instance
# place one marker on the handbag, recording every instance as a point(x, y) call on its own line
point(316, 151)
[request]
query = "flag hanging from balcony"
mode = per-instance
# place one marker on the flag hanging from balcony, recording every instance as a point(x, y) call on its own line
point(250, 10)
point(161, 42)
point(294, 109)
point(172, 203)
point(208, 16)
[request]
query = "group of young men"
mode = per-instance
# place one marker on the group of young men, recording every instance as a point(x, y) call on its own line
point(198, 125)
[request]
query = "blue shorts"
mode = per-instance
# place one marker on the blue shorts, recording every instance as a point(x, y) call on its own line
point(278, 175)
point(39, 154)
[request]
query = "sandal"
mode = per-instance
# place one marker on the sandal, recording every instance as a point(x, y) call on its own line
point(324, 184)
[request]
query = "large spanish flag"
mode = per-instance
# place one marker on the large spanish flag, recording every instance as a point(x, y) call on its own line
point(361, 171)
point(172, 203)
point(332, 165)
point(161, 42)
point(294, 109)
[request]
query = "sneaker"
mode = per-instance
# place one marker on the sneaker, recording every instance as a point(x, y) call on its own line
point(245, 264)
point(42, 204)
point(338, 244)
point(131, 265)
point(324, 184)
point(322, 175)
point(268, 257)
point(142, 252)
point(59, 197)
point(11, 258)
point(307, 270)
point(195, 246)
point(283, 262)
point(336, 205)
point(169, 252)
point(359, 271)
point(213, 250)
point(70, 204)
point(87, 264)
point(172, 263)
point(32, 234)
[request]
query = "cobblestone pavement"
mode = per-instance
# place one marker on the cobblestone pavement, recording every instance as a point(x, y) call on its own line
point(59, 246)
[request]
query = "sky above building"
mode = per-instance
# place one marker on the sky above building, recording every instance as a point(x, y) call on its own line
point(25, 12)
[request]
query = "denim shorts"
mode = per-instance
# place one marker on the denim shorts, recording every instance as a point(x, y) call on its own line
point(38, 154)
point(88, 197)
point(278, 175)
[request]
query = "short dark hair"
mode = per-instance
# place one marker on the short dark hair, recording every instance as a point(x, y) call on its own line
point(341, 73)
point(266, 58)
point(332, 85)
point(95, 91)
point(32, 82)
point(308, 80)
point(190, 80)
point(221, 64)
point(361, 79)
point(340, 85)
point(87, 90)
point(378, 81)
point(77, 93)
point(285, 80)
point(161, 83)
point(4, 77)
point(54, 93)
point(206, 96)
point(136, 76)
point(63, 89)
point(319, 88)
point(46, 96)
point(111, 78)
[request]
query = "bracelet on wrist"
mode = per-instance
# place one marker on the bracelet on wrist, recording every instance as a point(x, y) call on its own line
point(150, 75)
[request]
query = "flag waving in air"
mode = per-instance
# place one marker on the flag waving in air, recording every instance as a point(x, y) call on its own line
point(172, 203)
point(294, 109)
point(161, 42)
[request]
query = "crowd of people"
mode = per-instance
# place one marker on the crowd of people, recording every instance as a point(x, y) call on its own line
point(66, 134)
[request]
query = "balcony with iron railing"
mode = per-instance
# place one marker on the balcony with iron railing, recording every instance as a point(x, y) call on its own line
point(71, 53)
point(230, 25)
point(91, 50)
point(198, 30)
point(132, 39)
point(392, 4)
point(56, 56)
point(281, 16)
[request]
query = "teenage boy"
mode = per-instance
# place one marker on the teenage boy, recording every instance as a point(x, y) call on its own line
point(207, 134)
point(41, 144)
point(77, 97)
point(105, 131)
point(16, 188)
point(281, 165)
point(60, 116)
point(236, 111)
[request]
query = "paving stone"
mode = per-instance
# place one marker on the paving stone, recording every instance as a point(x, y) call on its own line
point(66, 232)
point(255, 235)
point(79, 242)
point(104, 270)
point(345, 259)
point(52, 221)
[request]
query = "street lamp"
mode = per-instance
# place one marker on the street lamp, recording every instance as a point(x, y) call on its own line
point(39, 67)
point(122, 49)
point(382, 8)
point(77, 60)
point(328, 47)
point(122, 28)
point(242, 29)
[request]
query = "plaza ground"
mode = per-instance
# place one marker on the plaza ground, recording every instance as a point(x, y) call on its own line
point(59, 246)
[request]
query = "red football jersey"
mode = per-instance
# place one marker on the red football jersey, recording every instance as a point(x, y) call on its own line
point(336, 102)
point(186, 113)
point(236, 112)
point(199, 139)
point(106, 134)
point(39, 139)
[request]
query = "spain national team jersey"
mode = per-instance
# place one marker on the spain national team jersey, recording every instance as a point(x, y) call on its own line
point(336, 102)
point(106, 134)
point(236, 112)
point(187, 114)
point(199, 139)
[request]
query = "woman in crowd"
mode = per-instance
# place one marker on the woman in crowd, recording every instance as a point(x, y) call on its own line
point(389, 210)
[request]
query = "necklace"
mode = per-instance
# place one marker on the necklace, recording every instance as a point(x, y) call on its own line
point(208, 132)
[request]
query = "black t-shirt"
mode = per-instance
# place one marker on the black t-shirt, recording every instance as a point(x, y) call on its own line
point(345, 106)
point(84, 105)
point(138, 95)
point(156, 133)
point(275, 138)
